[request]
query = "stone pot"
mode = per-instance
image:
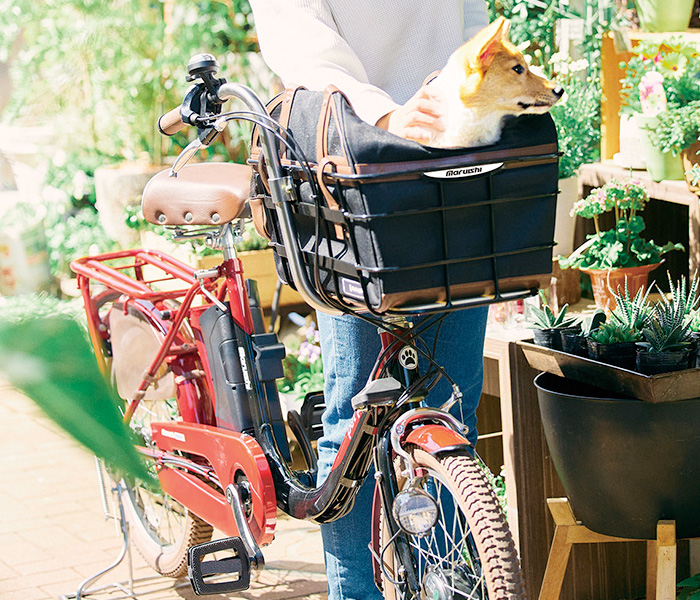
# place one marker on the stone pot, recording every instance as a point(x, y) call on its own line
point(116, 187)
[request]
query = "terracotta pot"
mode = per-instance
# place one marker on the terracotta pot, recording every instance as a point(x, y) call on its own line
point(605, 283)
point(689, 157)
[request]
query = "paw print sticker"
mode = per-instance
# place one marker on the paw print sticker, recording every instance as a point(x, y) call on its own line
point(408, 357)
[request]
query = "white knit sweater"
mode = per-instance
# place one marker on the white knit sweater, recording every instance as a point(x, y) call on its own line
point(376, 51)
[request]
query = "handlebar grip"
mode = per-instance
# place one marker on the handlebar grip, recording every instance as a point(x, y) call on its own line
point(171, 122)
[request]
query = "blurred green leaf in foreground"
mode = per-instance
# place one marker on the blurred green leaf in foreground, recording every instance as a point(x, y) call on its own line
point(50, 361)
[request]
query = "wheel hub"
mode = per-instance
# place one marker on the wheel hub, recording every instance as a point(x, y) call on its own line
point(435, 586)
point(440, 584)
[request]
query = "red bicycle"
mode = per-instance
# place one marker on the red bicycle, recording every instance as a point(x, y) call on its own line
point(188, 352)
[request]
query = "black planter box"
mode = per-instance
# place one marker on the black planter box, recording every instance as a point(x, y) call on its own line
point(665, 387)
point(624, 464)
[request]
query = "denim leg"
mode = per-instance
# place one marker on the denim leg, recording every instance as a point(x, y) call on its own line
point(349, 347)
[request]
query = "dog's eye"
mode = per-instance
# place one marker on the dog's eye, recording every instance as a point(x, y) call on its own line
point(519, 69)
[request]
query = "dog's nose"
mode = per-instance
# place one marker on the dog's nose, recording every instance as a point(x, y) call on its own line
point(558, 91)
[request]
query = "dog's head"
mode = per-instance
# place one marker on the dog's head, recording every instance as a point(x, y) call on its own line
point(497, 76)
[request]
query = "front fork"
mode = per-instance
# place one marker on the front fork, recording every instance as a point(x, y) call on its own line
point(442, 432)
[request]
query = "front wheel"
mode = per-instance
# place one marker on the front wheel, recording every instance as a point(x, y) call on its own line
point(469, 553)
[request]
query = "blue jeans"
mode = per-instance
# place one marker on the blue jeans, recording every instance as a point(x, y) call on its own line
point(349, 347)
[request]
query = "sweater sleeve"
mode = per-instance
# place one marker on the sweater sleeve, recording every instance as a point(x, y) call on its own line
point(300, 42)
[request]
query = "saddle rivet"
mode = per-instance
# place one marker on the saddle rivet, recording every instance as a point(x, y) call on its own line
point(215, 218)
point(189, 217)
point(162, 218)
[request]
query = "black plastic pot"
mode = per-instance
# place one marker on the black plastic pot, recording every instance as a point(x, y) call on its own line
point(653, 363)
point(621, 354)
point(695, 350)
point(549, 338)
point(624, 463)
point(573, 342)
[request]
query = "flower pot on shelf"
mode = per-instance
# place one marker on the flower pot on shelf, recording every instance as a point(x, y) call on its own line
point(606, 281)
point(664, 15)
point(624, 463)
point(653, 363)
point(564, 223)
point(690, 157)
point(549, 338)
point(660, 165)
point(631, 135)
point(573, 342)
point(621, 354)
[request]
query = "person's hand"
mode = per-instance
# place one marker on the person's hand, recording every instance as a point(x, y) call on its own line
point(420, 119)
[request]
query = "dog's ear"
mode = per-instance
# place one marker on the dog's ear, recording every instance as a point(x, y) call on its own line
point(490, 39)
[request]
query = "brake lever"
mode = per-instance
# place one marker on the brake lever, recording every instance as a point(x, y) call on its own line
point(184, 157)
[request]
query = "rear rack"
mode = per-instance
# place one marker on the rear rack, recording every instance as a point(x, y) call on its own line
point(169, 273)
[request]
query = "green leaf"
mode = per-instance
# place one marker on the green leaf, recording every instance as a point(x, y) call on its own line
point(50, 361)
point(636, 224)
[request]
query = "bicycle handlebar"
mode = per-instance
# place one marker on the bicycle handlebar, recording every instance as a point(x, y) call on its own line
point(281, 187)
point(171, 122)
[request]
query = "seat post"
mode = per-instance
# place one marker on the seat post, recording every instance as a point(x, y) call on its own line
point(228, 247)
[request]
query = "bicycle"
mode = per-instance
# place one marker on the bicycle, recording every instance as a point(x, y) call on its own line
point(189, 354)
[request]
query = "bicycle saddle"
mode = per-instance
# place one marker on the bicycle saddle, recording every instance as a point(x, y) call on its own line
point(200, 194)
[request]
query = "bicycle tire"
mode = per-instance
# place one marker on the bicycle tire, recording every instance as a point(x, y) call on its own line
point(160, 528)
point(481, 561)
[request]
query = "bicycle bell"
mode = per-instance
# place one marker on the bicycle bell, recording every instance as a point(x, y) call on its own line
point(202, 65)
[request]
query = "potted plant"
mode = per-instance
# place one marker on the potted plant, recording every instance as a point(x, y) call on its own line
point(659, 80)
point(618, 256)
point(576, 341)
point(614, 343)
point(664, 15)
point(667, 344)
point(547, 324)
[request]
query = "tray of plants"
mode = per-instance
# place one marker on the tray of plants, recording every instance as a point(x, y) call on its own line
point(640, 350)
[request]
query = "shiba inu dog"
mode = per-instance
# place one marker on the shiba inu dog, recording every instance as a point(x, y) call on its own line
point(485, 80)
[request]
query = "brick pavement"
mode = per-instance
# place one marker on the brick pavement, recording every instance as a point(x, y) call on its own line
point(53, 533)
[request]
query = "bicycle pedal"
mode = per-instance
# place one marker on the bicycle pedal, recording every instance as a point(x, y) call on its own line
point(208, 576)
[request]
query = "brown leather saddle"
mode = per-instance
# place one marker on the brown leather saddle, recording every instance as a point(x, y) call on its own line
point(200, 194)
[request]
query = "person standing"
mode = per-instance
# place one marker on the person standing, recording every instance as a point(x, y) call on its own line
point(378, 53)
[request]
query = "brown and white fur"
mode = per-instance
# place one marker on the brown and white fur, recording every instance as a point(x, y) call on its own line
point(485, 80)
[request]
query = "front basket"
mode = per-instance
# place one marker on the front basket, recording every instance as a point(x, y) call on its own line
point(438, 229)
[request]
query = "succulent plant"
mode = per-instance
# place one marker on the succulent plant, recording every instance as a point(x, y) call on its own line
point(546, 318)
point(614, 333)
point(635, 312)
point(669, 329)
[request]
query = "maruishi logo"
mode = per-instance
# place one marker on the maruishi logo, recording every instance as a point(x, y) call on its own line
point(464, 171)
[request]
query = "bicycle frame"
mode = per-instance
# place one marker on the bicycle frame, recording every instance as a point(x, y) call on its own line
point(201, 458)
point(260, 455)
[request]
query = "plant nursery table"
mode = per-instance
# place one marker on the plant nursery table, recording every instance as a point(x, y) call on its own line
point(595, 571)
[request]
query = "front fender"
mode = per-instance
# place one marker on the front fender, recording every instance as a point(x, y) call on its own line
point(436, 438)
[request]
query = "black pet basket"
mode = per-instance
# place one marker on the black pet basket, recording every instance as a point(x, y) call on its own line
point(401, 227)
